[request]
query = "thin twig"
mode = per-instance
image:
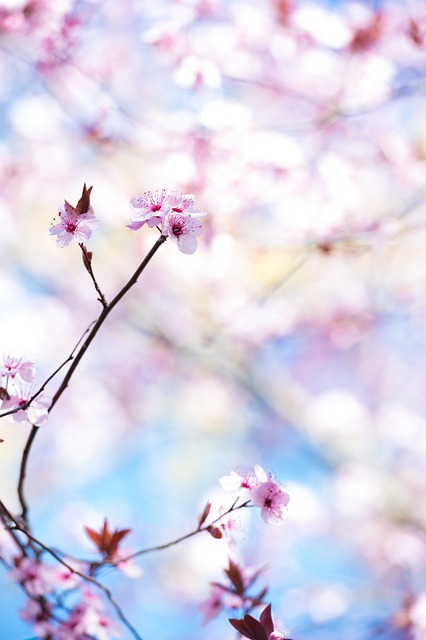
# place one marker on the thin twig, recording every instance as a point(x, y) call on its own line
point(207, 527)
point(76, 361)
point(87, 261)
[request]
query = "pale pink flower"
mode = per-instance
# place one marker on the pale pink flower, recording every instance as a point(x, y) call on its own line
point(241, 483)
point(180, 203)
point(125, 564)
point(88, 620)
point(13, 366)
point(272, 500)
point(39, 617)
point(35, 576)
point(175, 212)
point(64, 578)
point(37, 413)
point(183, 230)
point(213, 604)
point(150, 208)
point(229, 524)
point(73, 225)
point(219, 599)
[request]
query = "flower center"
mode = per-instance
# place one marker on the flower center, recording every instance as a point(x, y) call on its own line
point(177, 230)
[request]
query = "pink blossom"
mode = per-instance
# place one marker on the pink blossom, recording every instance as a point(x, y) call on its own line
point(184, 204)
point(37, 413)
point(229, 524)
point(88, 620)
point(175, 212)
point(125, 564)
point(213, 605)
point(272, 500)
point(219, 599)
point(13, 366)
point(64, 578)
point(39, 617)
point(73, 225)
point(150, 208)
point(35, 576)
point(241, 483)
point(183, 230)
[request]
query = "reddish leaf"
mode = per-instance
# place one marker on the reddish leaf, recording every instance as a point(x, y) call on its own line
point(83, 204)
point(107, 541)
point(93, 535)
point(215, 532)
point(234, 575)
point(241, 628)
point(266, 620)
point(255, 628)
point(4, 394)
point(204, 515)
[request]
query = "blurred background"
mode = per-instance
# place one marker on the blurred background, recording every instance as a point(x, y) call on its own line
point(294, 338)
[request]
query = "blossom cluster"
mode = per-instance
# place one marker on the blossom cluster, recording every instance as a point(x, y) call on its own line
point(60, 605)
point(262, 490)
point(16, 391)
point(174, 213)
point(47, 588)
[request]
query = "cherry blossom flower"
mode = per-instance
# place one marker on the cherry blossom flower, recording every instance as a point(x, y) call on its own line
point(39, 616)
point(183, 230)
point(150, 208)
point(38, 411)
point(88, 620)
point(64, 578)
point(36, 577)
point(213, 605)
point(219, 598)
point(241, 483)
point(13, 366)
point(175, 212)
point(184, 204)
point(261, 489)
point(126, 564)
point(73, 225)
point(272, 500)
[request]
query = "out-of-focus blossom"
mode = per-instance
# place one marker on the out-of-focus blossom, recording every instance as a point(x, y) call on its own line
point(37, 413)
point(39, 616)
point(241, 483)
point(87, 619)
point(272, 500)
point(261, 489)
point(13, 366)
point(36, 577)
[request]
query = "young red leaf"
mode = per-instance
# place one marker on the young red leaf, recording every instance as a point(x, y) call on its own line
point(215, 532)
point(255, 628)
point(241, 628)
point(234, 575)
point(266, 620)
point(83, 205)
point(204, 515)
